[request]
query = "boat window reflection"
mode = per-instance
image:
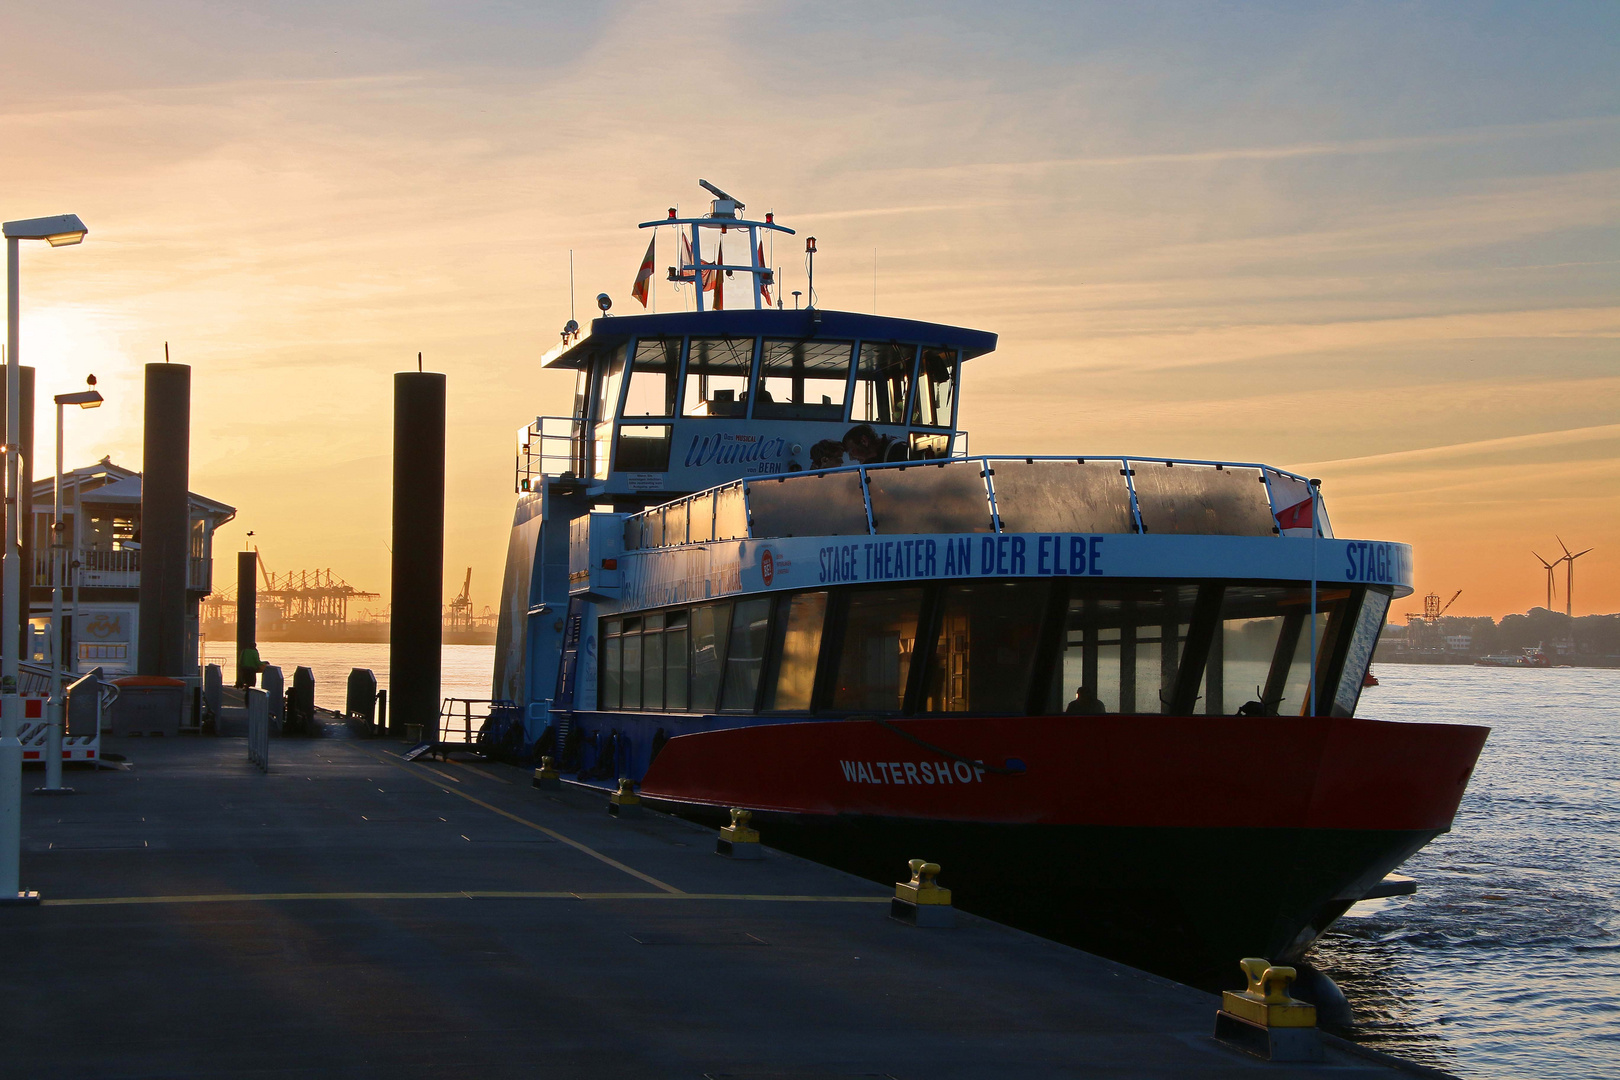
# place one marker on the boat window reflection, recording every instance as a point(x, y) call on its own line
point(717, 371)
point(879, 636)
point(986, 648)
point(797, 648)
point(803, 380)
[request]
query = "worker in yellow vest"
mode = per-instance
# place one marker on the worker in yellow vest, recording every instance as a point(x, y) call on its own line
point(248, 667)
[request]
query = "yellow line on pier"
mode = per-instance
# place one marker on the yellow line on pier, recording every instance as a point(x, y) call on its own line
point(469, 894)
point(553, 833)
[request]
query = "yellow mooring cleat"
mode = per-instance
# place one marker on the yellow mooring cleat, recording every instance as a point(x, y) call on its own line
point(739, 840)
point(922, 901)
point(546, 776)
point(625, 802)
point(1264, 1019)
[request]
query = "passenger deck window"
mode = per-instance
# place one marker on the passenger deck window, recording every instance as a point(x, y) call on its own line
point(630, 680)
point(717, 371)
point(880, 635)
point(803, 380)
point(883, 382)
point(984, 655)
point(711, 624)
point(798, 646)
point(750, 620)
point(1122, 649)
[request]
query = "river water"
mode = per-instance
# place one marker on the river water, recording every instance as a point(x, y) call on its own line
point(465, 670)
point(1506, 963)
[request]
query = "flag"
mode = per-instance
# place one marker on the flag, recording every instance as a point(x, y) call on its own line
point(644, 275)
point(1298, 516)
point(767, 279)
point(719, 285)
point(686, 273)
point(709, 276)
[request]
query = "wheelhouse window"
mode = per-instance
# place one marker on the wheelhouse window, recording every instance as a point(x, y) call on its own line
point(936, 388)
point(652, 378)
point(643, 448)
point(883, 382)
point(717, 373)
point(803, 380)
point(607, 386)
point(880, 635)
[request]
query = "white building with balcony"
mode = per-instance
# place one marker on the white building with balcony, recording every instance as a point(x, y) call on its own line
point(101, 514)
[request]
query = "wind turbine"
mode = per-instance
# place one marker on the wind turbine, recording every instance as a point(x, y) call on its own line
point(1569, 582)
point(1552, 581)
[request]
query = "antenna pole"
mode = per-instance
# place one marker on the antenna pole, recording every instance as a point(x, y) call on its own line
point(810, 260)
point(571, 317)
point(1316, 530)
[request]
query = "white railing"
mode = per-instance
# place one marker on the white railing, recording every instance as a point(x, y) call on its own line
point(551, 446)
point(117, 570)
point(258, 711)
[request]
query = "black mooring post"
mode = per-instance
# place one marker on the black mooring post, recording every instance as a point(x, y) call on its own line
point(418, 574)
point(165, 535)
point(247, 619)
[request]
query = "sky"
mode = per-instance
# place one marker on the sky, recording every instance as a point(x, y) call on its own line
point(1378, 243)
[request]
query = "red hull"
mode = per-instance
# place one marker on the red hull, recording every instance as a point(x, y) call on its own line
point(1155, 771)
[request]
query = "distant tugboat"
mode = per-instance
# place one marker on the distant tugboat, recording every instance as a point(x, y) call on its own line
point(1114, 696)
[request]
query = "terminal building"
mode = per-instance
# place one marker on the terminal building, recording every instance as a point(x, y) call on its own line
point(101, 515)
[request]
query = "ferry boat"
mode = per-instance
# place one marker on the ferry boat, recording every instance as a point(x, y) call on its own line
point(1113, 695)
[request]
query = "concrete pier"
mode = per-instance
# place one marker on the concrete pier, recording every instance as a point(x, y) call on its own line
point(350, 914)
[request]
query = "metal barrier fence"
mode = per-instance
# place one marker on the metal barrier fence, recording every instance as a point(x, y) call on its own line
point(258, 710)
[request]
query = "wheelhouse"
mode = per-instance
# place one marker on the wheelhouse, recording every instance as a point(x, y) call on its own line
point(679, 402)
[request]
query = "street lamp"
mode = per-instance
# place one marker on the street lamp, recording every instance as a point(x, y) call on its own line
point(57, 720)
point(58, 231)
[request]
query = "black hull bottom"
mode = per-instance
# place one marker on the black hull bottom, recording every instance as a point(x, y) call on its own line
point(1186, 903)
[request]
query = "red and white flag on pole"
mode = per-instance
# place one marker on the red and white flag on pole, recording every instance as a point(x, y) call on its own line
point(715, 280)
point(687, 271)
point(767, 279)
point(1299, 516)
point(644, 275)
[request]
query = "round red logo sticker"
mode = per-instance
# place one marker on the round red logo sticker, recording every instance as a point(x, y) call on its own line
point(767, 567)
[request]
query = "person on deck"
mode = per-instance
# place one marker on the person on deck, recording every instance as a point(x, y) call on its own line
point(1085, 703)
point(866, 447)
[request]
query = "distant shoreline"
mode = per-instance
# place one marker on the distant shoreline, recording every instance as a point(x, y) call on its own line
point(371, 633)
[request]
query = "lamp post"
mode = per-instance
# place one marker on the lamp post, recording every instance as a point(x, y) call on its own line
point(58, 231)
point(57, 718)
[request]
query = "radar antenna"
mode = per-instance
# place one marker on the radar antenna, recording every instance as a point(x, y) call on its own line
point(717, 193)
